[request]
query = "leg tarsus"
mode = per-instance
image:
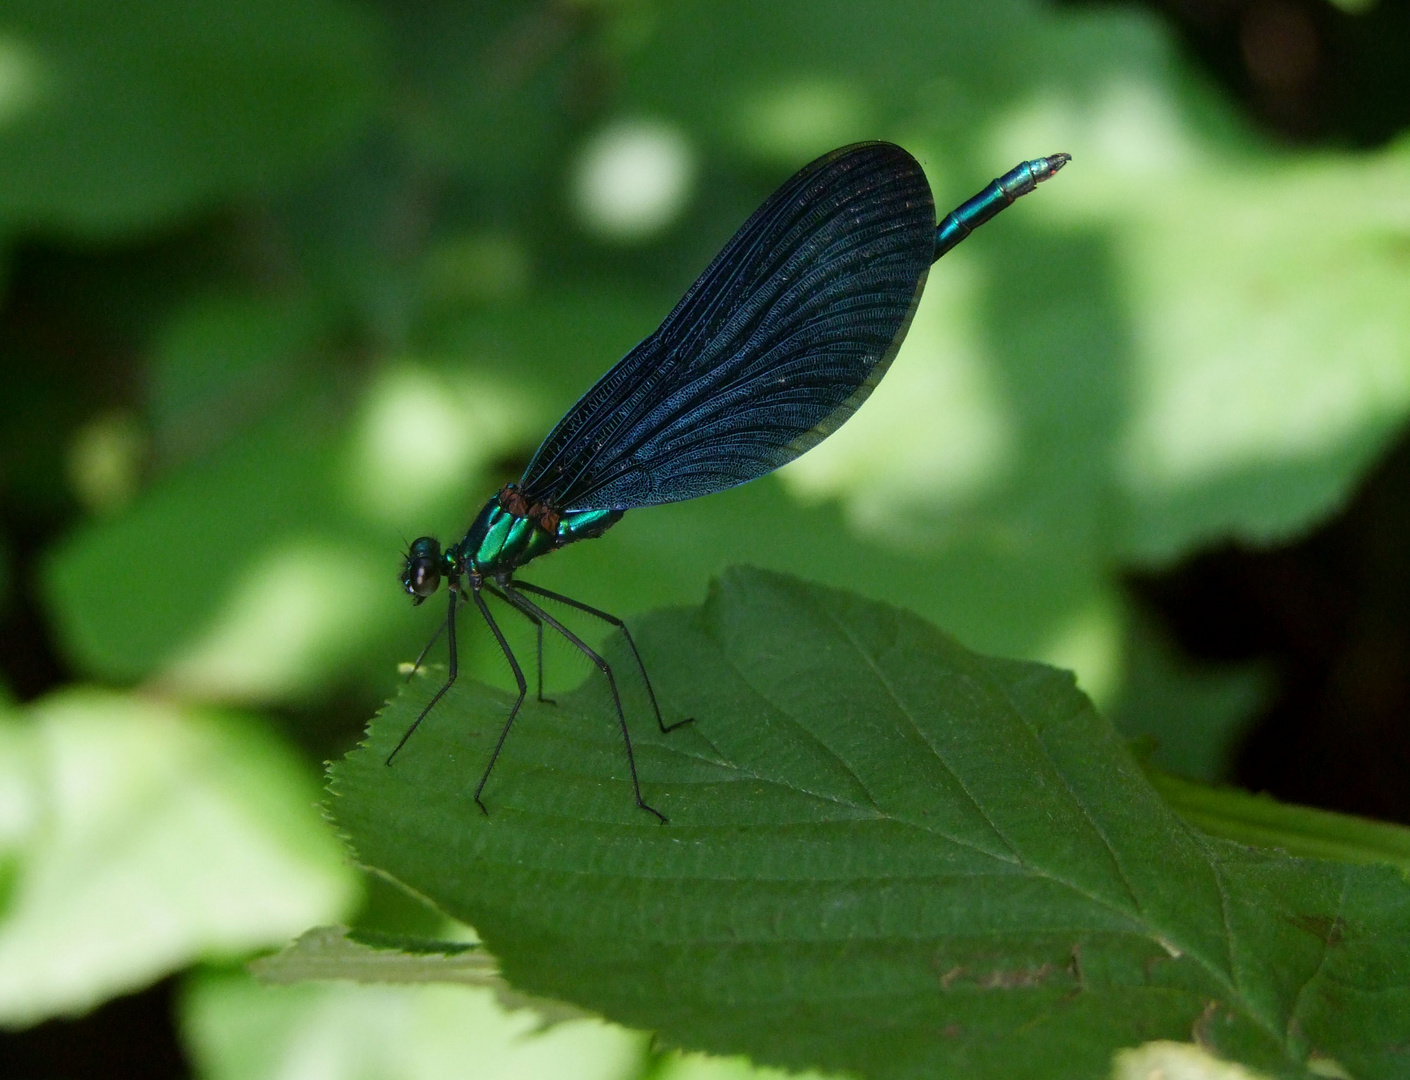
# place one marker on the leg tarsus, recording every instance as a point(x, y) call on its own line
point(450, 675)
point(626, 633)
point(538, 628)
point(523, 690)
point(511, 595)
point(422, 655)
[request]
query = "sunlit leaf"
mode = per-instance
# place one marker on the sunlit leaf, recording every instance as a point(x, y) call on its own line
point(326, 953)
point(140, 838)
point(237, 1029)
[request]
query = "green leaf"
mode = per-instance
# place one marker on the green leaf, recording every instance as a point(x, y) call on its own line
point(218, 1007)
point(1193, 714)
point(330, 952)
point(137, 837)
point(1300, 830)
point(230, 508)
point(237, 1029)
point(886, 855)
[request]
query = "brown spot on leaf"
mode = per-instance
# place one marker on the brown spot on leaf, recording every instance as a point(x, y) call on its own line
point(1017, 978)
point(1201, 1030)
point(1326, 928)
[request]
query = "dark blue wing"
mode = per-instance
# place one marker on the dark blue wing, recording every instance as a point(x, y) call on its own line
point(776, 344)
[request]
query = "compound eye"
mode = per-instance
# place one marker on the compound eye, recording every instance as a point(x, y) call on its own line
point(423, 577)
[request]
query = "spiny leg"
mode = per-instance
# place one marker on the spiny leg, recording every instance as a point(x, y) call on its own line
point(523, 690)
point(620, 625)
point(528, 607)
point(422, 654)
point(538, 629)
point(450, 677)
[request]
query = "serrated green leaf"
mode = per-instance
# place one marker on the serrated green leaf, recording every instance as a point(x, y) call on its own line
point(886, 855)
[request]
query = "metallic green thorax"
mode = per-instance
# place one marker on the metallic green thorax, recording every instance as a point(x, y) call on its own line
point(501, 540)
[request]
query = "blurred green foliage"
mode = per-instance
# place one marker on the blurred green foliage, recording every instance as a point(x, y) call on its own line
point(118, 119)
point(290, 283)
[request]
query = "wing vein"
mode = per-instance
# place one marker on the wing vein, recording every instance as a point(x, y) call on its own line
point(776, 344)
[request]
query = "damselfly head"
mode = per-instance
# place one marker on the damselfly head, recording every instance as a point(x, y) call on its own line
point(421, 576)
